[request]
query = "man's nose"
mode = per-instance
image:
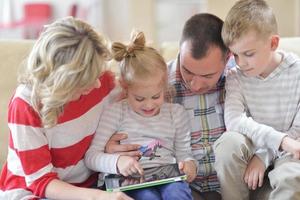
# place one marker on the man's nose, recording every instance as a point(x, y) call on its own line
point(196, 83)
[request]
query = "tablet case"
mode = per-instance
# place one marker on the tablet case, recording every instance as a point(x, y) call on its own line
point(152, 177)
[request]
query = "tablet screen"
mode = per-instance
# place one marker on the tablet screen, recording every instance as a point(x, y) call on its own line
point(152, 176)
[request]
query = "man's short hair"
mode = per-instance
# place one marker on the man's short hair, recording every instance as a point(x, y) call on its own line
point(248, 15)
point(203, 31)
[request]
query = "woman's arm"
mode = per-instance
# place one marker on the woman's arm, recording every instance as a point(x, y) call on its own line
point(57, 189)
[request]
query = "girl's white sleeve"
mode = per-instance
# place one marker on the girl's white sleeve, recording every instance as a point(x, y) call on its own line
point(95, 158)
point(182, 143)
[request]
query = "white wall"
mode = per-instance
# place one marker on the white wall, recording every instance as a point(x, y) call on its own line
point(161, 20)
point(287, 13)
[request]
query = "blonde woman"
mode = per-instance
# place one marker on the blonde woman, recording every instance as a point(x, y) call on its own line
point(54, 114)
point(161, 128)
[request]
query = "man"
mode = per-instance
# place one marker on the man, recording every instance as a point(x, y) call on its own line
point(198, 78)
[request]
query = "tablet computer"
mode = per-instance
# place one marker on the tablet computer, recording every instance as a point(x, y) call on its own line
point(152, 177)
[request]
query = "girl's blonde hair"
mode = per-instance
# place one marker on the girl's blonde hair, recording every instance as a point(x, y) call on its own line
point(137, 61)
point(68, 57)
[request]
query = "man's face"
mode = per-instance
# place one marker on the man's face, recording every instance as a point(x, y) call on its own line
point(201, 75)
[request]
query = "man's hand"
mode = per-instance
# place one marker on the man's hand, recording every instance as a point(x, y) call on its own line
point(290, 145)
point(254, 174)
point(189, 168)
point(113, 146)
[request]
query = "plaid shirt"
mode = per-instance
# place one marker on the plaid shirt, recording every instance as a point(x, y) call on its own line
point(206, 122)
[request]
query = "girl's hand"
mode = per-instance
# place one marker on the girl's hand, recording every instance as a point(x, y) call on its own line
point(129, 165)
point(189, 168)
point(254, 174)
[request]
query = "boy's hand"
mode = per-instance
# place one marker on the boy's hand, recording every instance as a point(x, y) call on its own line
point(129, 166)
point(189, 168)
point(254, 174)
point(113, 146)
point(290, 145)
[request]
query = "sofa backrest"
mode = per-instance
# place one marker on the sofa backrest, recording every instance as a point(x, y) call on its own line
point(13, 52)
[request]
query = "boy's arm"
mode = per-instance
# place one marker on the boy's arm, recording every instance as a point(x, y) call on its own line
point(266, 156)
point(236, 119)
point(294, 131)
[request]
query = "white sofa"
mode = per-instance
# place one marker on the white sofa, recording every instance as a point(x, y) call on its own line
point(13, 52)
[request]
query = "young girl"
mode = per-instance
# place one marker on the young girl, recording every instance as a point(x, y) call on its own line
point(161, 128)
point(54, 114)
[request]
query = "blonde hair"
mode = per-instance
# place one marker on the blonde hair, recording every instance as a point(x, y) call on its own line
point(137, 61)
point(248, 15)
point(68, 56)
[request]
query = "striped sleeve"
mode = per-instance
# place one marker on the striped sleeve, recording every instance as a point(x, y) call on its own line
point(182, 141)
point(236, 118)
point(95, 158)
point(29, 147)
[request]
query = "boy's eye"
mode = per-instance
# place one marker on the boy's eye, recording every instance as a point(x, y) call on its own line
point(249, 54)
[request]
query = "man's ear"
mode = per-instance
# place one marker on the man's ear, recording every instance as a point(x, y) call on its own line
point(228, 55)
point(274, 42)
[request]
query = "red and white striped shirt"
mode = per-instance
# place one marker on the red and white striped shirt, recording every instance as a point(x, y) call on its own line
point(37, 155)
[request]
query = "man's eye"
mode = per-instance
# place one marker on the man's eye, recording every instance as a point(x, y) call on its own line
point(188, 72)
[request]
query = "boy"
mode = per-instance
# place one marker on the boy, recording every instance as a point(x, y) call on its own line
point(261, 108)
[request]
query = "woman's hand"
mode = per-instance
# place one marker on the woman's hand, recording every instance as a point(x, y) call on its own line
point(57, 189)
point(129, 166)
point(189, 168)
point(113, 146)
point(95, 194)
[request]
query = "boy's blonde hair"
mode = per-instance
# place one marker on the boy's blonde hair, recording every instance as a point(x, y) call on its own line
point(68, 57)
point(248, 15)
point(137, 61)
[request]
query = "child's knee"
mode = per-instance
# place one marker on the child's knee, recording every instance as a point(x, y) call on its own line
point(286, 174)
point(229, 143)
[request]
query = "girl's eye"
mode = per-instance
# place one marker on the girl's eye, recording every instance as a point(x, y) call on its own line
point(139, 99)
point(156, 97)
